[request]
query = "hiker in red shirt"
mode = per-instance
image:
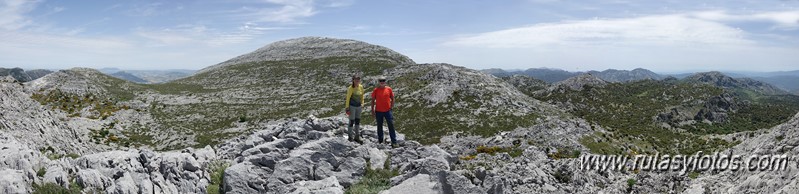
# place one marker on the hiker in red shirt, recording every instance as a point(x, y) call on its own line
point(382, 101)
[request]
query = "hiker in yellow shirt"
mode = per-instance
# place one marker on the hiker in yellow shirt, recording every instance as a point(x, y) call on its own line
point(353, 108)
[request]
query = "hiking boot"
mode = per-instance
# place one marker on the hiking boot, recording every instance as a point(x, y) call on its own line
point(358, 141)
point(394, 145)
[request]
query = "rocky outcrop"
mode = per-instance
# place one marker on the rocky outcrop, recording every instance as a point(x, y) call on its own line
point(145, 171)
point(782, 139)
point(298, 156)
point(18, 165)
point(526, 84)
point(577, 83)
point(42, 128)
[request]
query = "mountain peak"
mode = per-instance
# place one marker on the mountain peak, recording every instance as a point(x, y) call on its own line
point(315, 48)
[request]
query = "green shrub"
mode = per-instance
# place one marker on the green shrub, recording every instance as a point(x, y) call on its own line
point(693, 174)
point(217, 170)
point(374, 181)
point(630, 184)
point(562, 175)
point(41, 172)
point(50, 188)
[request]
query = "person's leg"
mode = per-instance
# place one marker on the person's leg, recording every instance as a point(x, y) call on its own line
point(349, 127)
point(379, 118)
point(357, 128)
point(391, 132)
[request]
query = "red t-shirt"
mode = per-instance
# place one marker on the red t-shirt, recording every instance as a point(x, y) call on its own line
point(382, 98)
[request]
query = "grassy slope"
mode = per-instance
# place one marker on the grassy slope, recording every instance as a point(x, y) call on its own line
point(628, 109)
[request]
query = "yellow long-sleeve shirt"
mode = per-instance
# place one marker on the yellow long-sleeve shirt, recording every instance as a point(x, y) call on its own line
point(356, 92)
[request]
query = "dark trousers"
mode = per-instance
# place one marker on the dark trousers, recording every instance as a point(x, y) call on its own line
point(390, 121)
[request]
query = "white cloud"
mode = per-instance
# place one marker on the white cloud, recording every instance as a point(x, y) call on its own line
point(287, 11)
point(183, 35)
point(12, 13)
point(708, 40)
point(145, 10)
point(649, 30)
point(786, 20)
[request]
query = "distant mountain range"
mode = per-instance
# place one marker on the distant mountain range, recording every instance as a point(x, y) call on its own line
point(24, 76)
point(784, 80)
point(148, 76)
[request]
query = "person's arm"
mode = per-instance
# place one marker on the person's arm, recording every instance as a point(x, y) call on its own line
point(373, 102)
point(363, 93)
point(392, 100)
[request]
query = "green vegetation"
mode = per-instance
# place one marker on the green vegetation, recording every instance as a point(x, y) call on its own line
point(374, 181)
point(72, 104)
point(630, 183)
point(693, 174)
point(41, 172)
point(217, 170)
point(50, 188)
point(104, 136)
point(565, 153)
point(73, 155)
point(629, 111)
point(763, 111)
point(562, 175)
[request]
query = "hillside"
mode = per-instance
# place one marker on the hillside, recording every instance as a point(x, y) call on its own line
point(788, 83)
point(296, 78)
point(671, 116)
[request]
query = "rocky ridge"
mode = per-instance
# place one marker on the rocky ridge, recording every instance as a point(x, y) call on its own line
point(721, 80)
point(613, 75)
point(22, 75)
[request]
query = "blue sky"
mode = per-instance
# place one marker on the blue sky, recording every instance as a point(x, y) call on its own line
point(664, 36)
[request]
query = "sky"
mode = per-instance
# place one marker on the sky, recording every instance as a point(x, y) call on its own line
point(663, 36)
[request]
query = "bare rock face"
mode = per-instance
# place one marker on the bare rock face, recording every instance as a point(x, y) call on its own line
point(145, 171)
point(18, 165)
point(41, 128)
